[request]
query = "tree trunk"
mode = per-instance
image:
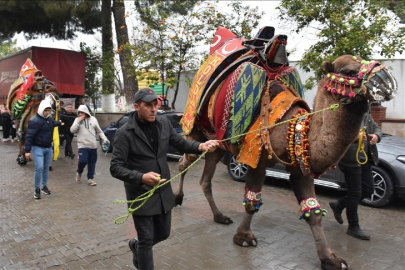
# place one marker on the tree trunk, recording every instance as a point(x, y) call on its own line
point(107, 47)
point(176, 91)
point(127, 66)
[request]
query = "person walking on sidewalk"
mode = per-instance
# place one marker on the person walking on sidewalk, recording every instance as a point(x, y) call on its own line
point(68, 118)
point(62, 111)
point(88, 130)
point(8, 125)
point(359, 178)
point(38, 140)
point(139, 160)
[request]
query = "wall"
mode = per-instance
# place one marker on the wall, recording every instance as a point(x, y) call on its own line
point(105, 119)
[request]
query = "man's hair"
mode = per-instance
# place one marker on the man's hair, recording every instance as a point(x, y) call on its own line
point(61, 102)
point(70, 104)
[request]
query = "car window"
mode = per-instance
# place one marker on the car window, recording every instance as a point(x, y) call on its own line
point(122, 121)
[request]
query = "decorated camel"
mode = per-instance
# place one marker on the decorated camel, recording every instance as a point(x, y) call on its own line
point(251, 100)
point(24, 98)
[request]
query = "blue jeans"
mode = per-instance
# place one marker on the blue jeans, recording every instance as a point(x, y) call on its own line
point(87, 157)
point(151, 230)
point(42, 158)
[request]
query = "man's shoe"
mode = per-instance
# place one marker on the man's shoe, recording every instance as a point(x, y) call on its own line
point(37, 194)
point(357, 233)
point(78, 177)
point(133, 246)
point(72, 156)
point(92, 182)
point(334, 205)
point(45, 190)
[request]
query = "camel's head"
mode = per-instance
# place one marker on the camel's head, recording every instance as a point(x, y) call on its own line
point(351, 76)
point(43, 85)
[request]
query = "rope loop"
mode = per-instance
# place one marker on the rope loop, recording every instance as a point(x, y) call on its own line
point(360, 148)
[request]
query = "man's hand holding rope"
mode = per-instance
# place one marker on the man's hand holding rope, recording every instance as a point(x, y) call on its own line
point(152, 179)
point(209, 146)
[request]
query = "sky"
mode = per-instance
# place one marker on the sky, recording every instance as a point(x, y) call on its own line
point(269, 19)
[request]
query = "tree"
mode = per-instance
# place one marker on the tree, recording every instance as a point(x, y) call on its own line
point(8, 47)
point(94, 65)
point(364, 28)
point(107, 48)
point(57, 19)
point(127, 66)
point(172, 38)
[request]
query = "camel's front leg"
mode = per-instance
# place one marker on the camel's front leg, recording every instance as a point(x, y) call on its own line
point(312, 213)
point(211, 160)
point(252, 201)
point(244, 236)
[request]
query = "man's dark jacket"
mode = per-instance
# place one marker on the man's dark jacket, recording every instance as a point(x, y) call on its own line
point(68, 119)
point(133, 156)
point(349, 159)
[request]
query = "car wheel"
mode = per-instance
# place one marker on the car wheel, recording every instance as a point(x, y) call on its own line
point(237, 170)
point(383, 189)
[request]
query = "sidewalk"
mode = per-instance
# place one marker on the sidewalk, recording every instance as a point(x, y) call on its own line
point(73, 228)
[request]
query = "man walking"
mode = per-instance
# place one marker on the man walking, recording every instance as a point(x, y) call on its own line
point(68, 118)
point(88, 130)
point(139, 160)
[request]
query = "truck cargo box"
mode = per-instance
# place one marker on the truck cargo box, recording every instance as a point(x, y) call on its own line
point(65, 68)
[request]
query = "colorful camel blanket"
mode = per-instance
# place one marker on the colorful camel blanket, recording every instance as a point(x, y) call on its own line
point(238, 100)
point(250, 151)
point(228, 48)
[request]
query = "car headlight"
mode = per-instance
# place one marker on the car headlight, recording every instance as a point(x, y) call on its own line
point(401, 159)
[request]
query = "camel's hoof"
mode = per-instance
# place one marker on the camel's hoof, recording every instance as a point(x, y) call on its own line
point(245, 240)
point(178, 200)
point(336, 264)
point(223, 219)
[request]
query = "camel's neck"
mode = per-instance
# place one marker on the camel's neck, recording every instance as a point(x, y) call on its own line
point(331, 132)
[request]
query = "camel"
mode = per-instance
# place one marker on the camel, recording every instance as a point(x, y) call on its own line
point(307, 144)
point(24, 98)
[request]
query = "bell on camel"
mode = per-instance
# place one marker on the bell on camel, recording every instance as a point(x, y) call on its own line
point(281, 55)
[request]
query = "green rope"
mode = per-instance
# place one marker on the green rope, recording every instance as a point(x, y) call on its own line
point(144, 197)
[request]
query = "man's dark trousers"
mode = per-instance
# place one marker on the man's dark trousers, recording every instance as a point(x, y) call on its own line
point(151, 230)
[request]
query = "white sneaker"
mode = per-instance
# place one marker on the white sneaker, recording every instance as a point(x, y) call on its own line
point(6, 139)
point(78, 177)
point(92, 182)
point(12, 140)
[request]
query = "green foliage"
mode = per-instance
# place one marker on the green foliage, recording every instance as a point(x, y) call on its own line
point(364, 28)
point(168, 39)
point(7, 48)
point(58, 19)
point(92, 81)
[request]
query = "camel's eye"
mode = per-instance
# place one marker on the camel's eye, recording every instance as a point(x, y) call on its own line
point(350, 70)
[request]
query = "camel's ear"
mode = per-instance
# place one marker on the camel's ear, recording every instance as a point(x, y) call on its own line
point(328, 67)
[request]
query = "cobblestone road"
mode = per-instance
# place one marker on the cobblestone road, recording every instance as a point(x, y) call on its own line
point(73, 228)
